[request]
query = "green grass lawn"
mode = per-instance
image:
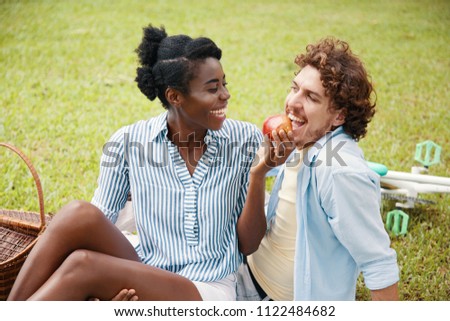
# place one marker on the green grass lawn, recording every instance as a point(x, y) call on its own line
point(68, 71)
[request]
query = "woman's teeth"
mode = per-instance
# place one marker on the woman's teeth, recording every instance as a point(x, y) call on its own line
point(219, 112)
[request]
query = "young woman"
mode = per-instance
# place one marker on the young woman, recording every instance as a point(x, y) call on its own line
point(187, 171)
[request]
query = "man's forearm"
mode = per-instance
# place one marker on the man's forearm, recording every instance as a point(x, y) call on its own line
point(387, 294)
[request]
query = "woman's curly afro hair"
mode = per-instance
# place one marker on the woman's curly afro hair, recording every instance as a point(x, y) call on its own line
point(170, 61)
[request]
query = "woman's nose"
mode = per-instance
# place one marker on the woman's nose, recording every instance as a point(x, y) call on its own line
point(225, 94)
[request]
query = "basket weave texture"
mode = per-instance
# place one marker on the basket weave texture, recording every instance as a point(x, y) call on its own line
point(19, 231)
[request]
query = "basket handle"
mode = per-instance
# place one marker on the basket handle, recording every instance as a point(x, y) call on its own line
point(36, 180)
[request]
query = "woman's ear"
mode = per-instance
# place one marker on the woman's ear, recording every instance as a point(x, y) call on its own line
point(174, 97)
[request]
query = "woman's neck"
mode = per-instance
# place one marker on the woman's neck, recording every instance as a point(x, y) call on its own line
point(183, 135)
point(190, 142)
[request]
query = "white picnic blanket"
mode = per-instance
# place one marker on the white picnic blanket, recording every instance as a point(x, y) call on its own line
point(127, 224)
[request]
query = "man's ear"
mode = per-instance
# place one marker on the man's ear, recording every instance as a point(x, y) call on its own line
point(340, 118)
point(174, 97)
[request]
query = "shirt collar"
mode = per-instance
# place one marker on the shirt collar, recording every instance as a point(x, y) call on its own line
point(158, 127)
point(315, 149)
point(159, 130)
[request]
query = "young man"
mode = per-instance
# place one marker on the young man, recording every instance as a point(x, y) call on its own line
point(324, 222)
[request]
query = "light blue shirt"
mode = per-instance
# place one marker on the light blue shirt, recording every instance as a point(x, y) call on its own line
point(340, 232)
point(186, 224)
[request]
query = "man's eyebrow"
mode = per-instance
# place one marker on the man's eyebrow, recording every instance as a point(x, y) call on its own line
point(314, 93)
point(307, 90)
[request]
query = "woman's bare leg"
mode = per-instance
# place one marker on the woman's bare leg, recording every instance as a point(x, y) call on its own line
point(78, 225)
point(85, 274)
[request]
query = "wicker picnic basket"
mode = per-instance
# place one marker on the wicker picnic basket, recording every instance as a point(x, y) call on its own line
point(19, 231)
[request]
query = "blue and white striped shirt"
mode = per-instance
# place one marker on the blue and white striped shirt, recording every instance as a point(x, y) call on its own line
point(186, 224)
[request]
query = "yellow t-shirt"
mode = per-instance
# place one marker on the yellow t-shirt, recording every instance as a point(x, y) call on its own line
point(273, 263)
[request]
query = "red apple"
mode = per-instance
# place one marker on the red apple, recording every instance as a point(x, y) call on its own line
point(276, 122)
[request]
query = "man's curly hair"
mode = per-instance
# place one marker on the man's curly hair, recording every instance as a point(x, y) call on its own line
point(345, 80)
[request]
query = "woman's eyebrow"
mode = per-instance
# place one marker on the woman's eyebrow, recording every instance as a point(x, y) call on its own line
point(214, 80)
point(211, 81)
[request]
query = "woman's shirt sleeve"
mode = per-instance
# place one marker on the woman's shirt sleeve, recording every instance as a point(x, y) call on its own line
point(113, 183)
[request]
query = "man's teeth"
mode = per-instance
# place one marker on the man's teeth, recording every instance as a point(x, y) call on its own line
point(295, 118)
point(221, 111)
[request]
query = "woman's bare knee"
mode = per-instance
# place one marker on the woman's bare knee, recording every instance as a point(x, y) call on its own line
point(77, 215)
point(79, 260)
point(79, 268)
point(72, 280)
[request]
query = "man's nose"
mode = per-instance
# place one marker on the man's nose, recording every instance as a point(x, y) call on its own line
point(295, 102)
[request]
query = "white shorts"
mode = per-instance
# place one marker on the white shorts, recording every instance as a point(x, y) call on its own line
point(221, 290)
